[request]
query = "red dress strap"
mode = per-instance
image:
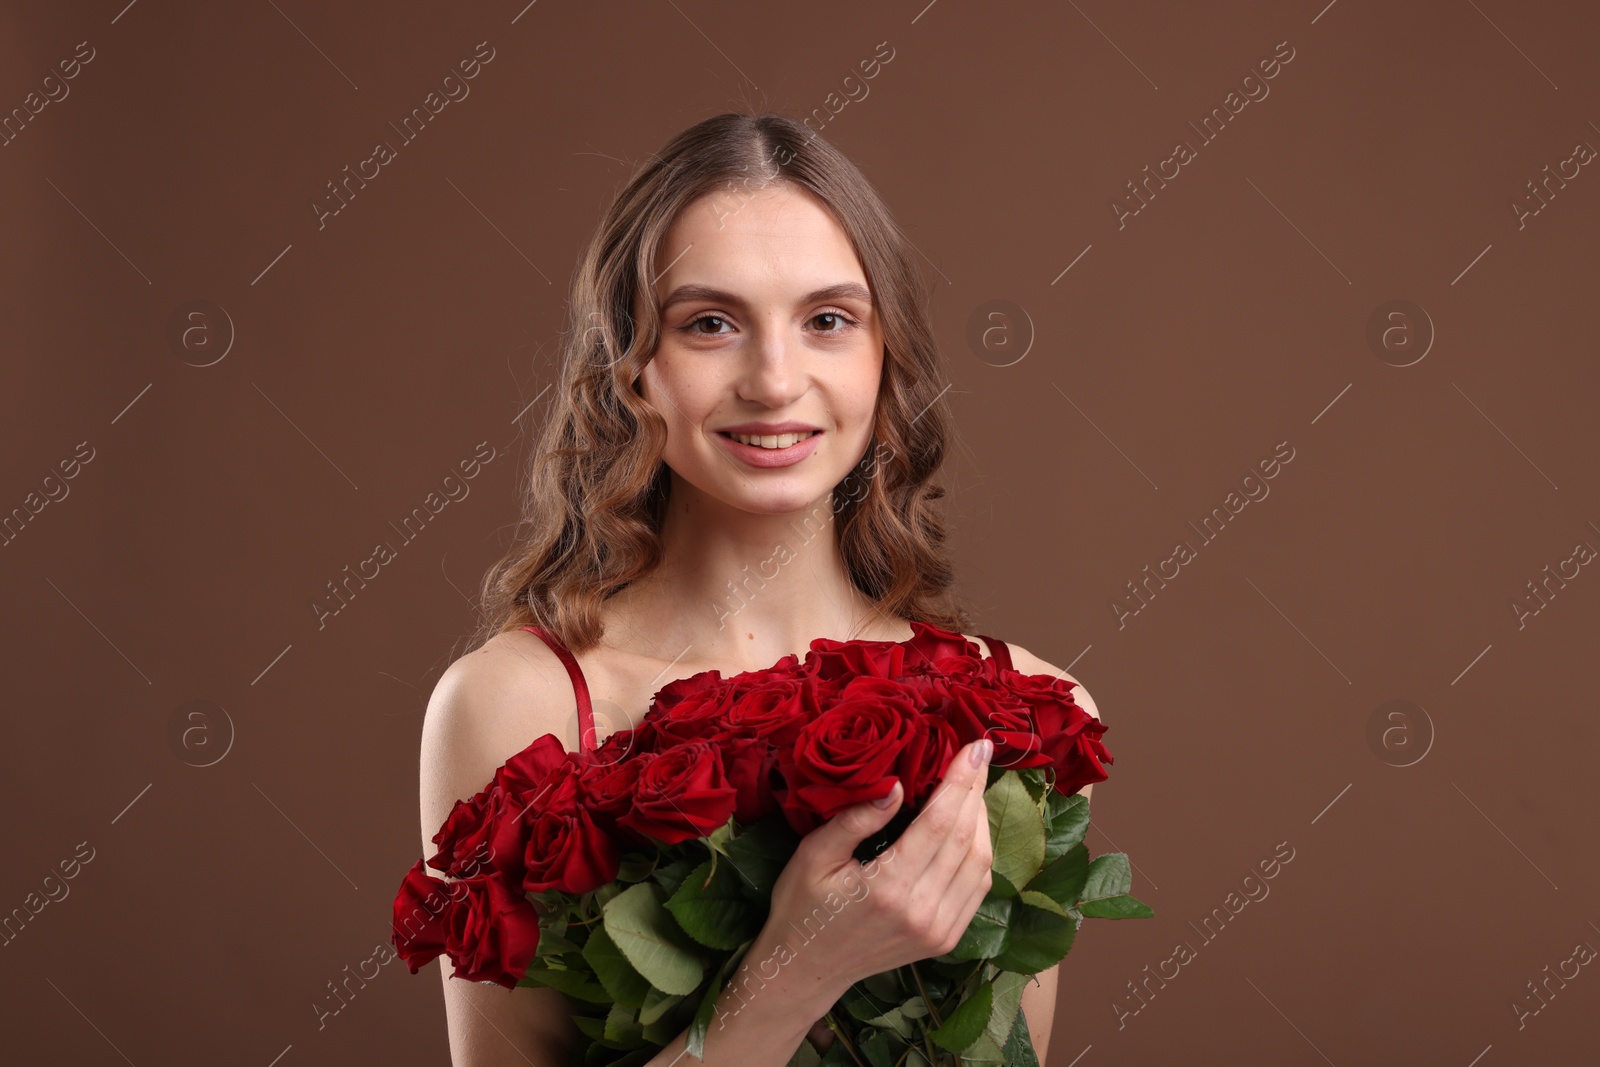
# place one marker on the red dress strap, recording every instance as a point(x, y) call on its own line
point(581, 687)
point(997, 648)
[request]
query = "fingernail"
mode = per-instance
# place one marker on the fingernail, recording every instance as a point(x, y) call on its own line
point(979, 753)
point(884, 802)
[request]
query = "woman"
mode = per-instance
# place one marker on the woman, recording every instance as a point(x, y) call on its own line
point(737, 461)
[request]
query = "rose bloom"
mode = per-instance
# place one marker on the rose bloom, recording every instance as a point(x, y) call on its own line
point(775, 709)
point(606, 791)
point(566, 850)
point(681, 793)
point(929, 747)
point(1069, 737)
point(492, 827)
point(848, 754)
point(488, 929)
point(688, 709)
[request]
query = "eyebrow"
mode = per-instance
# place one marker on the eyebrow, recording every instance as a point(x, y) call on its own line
point(694, 292)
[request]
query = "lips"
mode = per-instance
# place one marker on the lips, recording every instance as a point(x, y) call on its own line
point(756, 456)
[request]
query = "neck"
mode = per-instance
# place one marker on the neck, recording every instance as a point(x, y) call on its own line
point(741, 590)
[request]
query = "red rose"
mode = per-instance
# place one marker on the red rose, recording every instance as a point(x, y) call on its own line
point(682, 793)
point(751, 765)
point(921, 766)
point(848, 754)
point(1069, 737)
point(830, 660)
point(775, 710)
point(614, 749)
point(567, 851)
point(689, 709)
point(420, 908)
point(487, 831)
point(787, 668)
point(977, 710)
point(935, 648)
point(489, 930)
point(607, 793)
point(525, 772)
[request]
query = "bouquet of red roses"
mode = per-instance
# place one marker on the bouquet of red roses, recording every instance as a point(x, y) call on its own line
point(633, 878)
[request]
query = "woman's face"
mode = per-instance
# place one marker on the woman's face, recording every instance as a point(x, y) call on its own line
point(768, 334)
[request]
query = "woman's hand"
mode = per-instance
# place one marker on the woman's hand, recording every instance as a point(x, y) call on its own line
point(842, 921)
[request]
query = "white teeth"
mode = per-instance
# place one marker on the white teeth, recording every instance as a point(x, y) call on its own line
point(782, 440)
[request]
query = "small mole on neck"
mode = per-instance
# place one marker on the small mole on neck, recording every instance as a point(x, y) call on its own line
point(751, 636)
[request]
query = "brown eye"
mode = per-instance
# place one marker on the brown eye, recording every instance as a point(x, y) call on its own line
point(693, 323)
point(841, 321)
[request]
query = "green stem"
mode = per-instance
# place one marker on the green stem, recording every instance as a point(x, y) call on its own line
point(843, 1038)
point(923, 990)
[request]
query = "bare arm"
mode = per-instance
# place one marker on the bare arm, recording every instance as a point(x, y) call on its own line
point(489, 705)
point(1039, 999)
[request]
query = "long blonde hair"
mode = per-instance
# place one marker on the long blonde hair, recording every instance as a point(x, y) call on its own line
point(597, 488)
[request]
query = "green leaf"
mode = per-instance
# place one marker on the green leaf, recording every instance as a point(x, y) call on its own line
point(805, 1056)
point(1033, 780)
point(759, 853)
point(646, 934)
point(1108, 877)
point(1016, 830)
point(670, 875)
point(553, 944)
point(657, 1004)
point(1019, 1050)
point(695, 1040)
point(712, 909)
point(626, 985)
point(893, 1019)
point(637, 866)
point(591, 1027)
point(622, 1027)
point(876, 1048)
point(1040, 900)
point(1118, 907)
point(836, 1056)
point(982, 1052)
point(1008, 988)
point(1069, 820)
point(577, 984)
point(965, 1024)
point(986, 935)
point(1039, 940)
point(1063, 878)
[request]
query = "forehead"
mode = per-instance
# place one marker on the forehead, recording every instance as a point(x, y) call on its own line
point(780, 240)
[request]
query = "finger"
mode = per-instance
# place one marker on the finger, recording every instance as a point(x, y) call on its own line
point(943, 830)
point(965, 896)
point(969, 831)
point(932, 824)
point(835, 841)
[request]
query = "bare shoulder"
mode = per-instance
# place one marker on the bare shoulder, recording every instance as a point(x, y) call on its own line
point(1027, 663)
point(487, 706)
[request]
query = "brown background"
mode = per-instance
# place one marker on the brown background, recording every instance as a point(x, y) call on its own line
point(366, 358)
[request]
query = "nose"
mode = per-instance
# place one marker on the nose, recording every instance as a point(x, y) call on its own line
point(774, 373)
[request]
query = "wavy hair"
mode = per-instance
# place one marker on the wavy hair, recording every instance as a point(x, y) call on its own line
point(596, 488)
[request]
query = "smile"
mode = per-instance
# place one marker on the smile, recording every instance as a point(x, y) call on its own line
point(781, 440)
point(771, 450)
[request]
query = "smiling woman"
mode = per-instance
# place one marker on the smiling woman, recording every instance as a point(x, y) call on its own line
point(729, 377)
